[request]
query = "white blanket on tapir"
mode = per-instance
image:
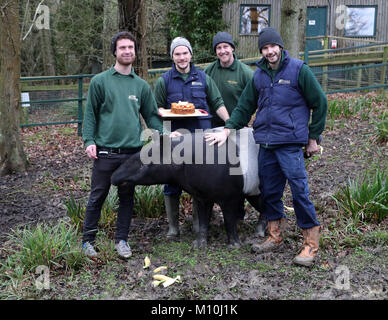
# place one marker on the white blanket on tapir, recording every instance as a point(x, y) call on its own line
point(248, 153)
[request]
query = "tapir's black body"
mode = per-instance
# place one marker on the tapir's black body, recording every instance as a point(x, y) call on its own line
point(209, 182)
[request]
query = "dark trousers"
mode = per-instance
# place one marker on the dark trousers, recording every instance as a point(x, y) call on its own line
point(276, 166)
point(103, 168)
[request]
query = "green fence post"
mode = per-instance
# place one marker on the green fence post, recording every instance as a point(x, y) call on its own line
point(359, 78)
point(306, 55)
point(80, 113)
point(384, 69)
point(324, 69)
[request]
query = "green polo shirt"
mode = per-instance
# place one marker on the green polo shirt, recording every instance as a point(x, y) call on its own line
point(311, 91)
point(231, 82)
point(114, 104)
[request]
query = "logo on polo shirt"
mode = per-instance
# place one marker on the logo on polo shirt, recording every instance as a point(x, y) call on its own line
point(132, 97)
point(232, 82)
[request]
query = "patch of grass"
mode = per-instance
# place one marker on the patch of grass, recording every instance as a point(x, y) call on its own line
point(29, 249)
point(176, 253)
point(75, 211)
point(381, 130)
point(226, 257)
point(82, 179)
point(262, 266)
point(361, 106)
point(149, 201)
point(377, 237)
point(365, 199)
point(343, 233)
point(54, 246)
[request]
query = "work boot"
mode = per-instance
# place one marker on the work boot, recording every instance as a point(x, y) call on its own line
point(172, 209)
point(309, 248)
point(275, 239)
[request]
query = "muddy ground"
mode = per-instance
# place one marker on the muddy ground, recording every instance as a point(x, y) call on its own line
point(343, 270)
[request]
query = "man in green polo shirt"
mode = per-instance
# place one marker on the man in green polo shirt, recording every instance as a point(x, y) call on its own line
point(230, 75)
point(111, 132)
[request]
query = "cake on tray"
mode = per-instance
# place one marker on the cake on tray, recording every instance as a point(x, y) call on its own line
point(182, 107)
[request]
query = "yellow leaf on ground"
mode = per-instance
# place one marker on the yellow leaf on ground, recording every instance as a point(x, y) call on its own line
point(147, 262)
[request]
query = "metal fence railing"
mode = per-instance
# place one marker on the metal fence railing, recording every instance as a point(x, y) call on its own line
point(53, 103)
point(59, 99)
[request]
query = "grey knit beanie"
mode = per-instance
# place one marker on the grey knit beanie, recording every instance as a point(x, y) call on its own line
point(222, 37)
point(269, 36)
point(180, 41)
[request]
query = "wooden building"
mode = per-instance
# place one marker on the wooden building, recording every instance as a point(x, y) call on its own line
point(346, 22)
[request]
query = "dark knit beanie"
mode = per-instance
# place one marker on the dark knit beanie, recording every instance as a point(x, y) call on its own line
point(221, 37)
point(269, 36)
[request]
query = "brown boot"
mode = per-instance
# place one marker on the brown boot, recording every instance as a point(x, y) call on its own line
point(275, 239)
point(309, 248)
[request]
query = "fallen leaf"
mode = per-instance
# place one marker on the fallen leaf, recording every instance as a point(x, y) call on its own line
point(147, 262)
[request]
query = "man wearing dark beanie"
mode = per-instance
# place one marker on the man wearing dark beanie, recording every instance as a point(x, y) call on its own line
point(283, 92)
point(229, 74)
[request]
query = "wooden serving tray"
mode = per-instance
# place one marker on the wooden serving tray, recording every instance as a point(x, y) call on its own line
point(166, 113)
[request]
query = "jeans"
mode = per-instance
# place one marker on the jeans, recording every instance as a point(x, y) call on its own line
point(103, 168)
point(276, 166)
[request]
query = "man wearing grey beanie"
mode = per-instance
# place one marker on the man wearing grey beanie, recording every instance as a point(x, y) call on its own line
point(290, 108)
point(229, 74)
point(184, 82)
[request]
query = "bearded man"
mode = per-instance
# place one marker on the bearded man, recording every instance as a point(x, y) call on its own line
point(111, 133)
point(285, 95)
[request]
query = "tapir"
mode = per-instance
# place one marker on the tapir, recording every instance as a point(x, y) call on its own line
point(226, 175)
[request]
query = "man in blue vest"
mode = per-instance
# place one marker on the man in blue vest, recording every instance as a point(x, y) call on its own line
point(184, 82)
point(283, 92)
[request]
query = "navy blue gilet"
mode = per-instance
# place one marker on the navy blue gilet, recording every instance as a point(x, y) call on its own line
point(193, 90)
point(282, 113)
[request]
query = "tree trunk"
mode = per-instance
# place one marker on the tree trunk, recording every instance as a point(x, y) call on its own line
point(110, 27)
point(302, 24)
point(47, 52)
point(132, 17)
point(12, 157)
point(290, 27)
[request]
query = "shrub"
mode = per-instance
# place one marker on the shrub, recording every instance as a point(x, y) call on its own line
point(381, 130)
point(149, 201)
point(43, 244)
point(75, 211)
point(366, 199)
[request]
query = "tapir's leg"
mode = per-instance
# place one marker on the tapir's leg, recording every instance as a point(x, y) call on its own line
point(257, 202)
point(204, 211)
point(229, 210)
